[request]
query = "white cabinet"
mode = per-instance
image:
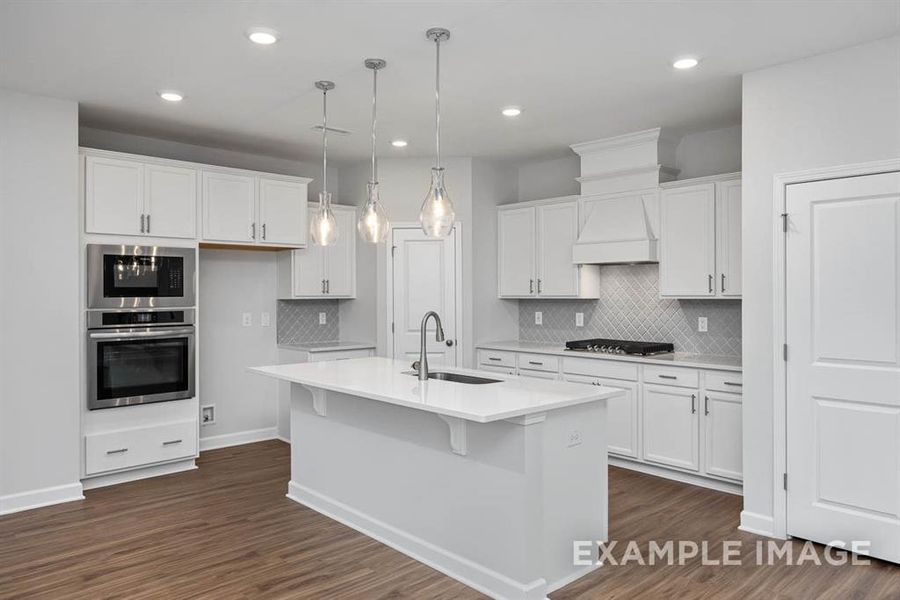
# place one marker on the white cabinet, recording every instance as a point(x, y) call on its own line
point(723, 430)
point(322, 271)
point(700, 238)
point(535, 242)
point(139, 446)
point(229, 207)
point(671, 427)
point(130, 197)
point(622, 415)
point(282, 212)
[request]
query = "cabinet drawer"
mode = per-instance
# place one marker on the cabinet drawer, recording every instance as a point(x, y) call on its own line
point(128, 448)
point(535, 374)
point(672, 376)
point(600, 367)
point(497, 369)
point(498, 358)
point(539, 362)
point(724, 381)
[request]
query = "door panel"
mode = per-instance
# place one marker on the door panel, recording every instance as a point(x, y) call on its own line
point(340, 257)
point(623, 415)
point(114, 196)
point(229, 206)
point(843, 370)
point(687, 264)
point(516, 239)
point(171, 201)
point(670, 427)
point(724, 434)
point(309, 271)
point(557, 275)
point(728, 238)
point(283, 212)
point(424, 279)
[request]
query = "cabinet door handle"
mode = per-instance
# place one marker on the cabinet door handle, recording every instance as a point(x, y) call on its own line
point(119, 451)
point(531, 286)
point(142, 223)
point(732, 383)
point(253, 230)
point(534, 362)
point(264, 231)
point(723, 283)
point(539, 286)
point(494, 358)
point(710, 284)
point(706, 405)
point(667, 377)
point(693, 404)
point(172, 442)
point(327, 286)
point(148, 223)
point(323, 286)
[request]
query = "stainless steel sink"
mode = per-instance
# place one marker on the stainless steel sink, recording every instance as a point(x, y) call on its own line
point(458, 378)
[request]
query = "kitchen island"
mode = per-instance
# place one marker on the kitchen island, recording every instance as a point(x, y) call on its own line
point(489, 483)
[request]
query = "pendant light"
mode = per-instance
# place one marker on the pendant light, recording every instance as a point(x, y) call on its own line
point(437, 215)
point(323, 226)
point(373, 224)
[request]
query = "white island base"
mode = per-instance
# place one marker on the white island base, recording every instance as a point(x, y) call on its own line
point(495, 505)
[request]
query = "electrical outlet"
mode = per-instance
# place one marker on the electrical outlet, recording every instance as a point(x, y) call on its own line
point(323, 318)
point(265, 320)
point(575, 438)
point(538, 318)
point(579, 319)
point(702, 325)
point(208, 414)
point(247, 319)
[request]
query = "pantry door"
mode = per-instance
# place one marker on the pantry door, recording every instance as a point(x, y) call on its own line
point(843, 361)
point(423, 275)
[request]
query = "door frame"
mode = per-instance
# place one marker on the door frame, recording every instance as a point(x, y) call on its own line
point(779, 389)
point(389, 284)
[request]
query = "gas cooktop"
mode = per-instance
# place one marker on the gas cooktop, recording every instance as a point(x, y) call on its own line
point(606, 346)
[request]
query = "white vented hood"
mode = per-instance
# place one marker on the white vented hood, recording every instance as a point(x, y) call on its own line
point(619, 204)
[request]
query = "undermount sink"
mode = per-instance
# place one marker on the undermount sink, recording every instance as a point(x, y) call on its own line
point(459, 378)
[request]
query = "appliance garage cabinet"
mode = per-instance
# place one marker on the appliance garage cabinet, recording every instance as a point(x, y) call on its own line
point(535, 241)
point(700, 238)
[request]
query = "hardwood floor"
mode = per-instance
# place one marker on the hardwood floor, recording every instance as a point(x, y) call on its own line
point(227, 531)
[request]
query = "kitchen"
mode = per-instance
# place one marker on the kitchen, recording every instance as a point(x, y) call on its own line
point(635, 263)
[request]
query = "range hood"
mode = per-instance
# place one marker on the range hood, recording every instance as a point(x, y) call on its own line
point(619, 203)
point(617, 230)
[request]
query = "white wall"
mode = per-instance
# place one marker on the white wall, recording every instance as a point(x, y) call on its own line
point(709, 153)
point(39, 291)
point(833, 109)
point(233, 282)
point(549, 178)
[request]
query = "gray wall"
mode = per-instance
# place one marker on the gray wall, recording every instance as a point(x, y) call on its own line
point(829, 110)
point(39, 316)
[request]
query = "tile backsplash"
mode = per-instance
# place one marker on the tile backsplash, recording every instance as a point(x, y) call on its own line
point(629, 308)
point(297, 321)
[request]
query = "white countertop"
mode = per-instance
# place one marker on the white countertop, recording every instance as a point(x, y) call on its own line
point(679, 359)
point(387, 380)
point(327, 346)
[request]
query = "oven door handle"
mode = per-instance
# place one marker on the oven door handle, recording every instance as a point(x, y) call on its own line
point(109, 335)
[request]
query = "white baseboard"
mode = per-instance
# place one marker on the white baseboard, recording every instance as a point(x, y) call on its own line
point(759, 524)
point(698, 480)
point(486, 581)
point(571, 578)
point(42, 497)
point(283, 439)
point(236, 439)
point(99, 481)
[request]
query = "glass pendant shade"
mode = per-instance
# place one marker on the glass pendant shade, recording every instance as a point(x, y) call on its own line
point(437, 215)
point(373, 224)
point(323, 227)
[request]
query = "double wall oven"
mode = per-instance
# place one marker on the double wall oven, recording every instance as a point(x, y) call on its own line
point(140, 324)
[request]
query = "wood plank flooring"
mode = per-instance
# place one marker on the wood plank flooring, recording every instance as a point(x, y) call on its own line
point(227, 531)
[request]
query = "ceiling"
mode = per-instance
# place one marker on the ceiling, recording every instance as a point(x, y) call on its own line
point(581, 70)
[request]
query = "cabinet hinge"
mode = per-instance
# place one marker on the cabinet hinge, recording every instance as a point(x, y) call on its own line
point(785, 352)
point(785, 482)
point(784, 222)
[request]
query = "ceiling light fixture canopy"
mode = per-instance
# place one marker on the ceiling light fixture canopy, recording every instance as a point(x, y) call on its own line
point(373, 223)
point(437, 215)
point(323, 226)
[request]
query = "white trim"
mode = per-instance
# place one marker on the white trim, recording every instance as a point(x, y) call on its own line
point(572, 577)
point(680, 476)
point(283, 439)
point(486, 581)
point(136, 474)
point(646, 136)
point(757, 524)
point(668, 185)
point(48, 496)
point(238, 438)
point(389, 287)
point(779, 300)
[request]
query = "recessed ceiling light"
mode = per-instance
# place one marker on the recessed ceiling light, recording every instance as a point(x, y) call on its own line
point(685, 63)
point(171, 95)
point(263, 36)
point(511, 111)
point(399, 143)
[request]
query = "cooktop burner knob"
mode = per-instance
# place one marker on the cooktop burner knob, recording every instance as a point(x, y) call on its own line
point(619, 350)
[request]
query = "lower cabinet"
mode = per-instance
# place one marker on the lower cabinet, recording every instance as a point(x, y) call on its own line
point(623, 415)
point(722, 416)
point(497, 369)
point(127, 448)
point(671, 427)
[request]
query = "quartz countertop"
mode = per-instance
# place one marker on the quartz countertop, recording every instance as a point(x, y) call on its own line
point(390, 381)
point(680, 359)
point(327, 346)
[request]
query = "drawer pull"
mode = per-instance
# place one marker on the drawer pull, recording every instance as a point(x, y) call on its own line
point(693, 404)
point(119, 451)
point(667, 377)
point(171, 442)
point(494, 358)
point(734, 384)
point(534, 362)
point(706, 405)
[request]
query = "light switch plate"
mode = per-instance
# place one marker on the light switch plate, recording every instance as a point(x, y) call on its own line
point(265, 320)
point(247, 319)
point(323, 318)
point(579, 319)
point(538, 317)
point(702, 325)
point(575, 438)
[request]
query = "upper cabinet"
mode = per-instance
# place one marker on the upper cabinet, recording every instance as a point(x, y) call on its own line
point(535, 241)
point(322, 271)
point(130, 195)
point(700, 238)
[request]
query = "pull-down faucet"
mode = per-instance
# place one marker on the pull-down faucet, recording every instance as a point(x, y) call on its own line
point(422, 364)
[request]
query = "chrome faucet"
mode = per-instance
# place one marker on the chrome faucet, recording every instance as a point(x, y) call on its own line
point(421, 365)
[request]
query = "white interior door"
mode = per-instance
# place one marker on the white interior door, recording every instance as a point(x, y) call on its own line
point(171, 201)
point(517, 231)
point(558, 231)
point(282, 212)
point(843, 369)
point(424, 278)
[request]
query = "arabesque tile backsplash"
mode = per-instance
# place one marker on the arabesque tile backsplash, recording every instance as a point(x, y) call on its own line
point(629, 308)
point(297, 321)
